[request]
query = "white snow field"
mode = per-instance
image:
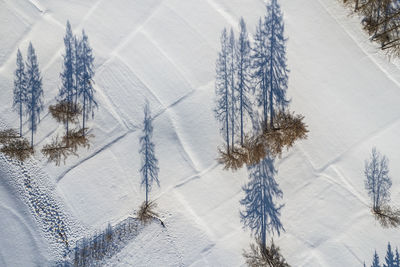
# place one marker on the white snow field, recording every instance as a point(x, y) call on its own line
point(165, 51)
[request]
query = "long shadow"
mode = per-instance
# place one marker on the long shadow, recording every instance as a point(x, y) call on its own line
point(261, 214)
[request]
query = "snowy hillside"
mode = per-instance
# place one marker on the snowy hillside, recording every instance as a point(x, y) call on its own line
point(165, 51)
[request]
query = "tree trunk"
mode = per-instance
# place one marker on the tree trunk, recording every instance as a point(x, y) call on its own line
point(20, 117)
point(67, 124)
point(32, 118)
point(146, 175)
point(271, 106)
point(84, 113)
point(226, 112)
point(263, 215)
point(241, 116)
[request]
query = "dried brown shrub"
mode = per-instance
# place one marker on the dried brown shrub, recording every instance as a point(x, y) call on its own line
point(8, 135)
point(17, 148)
point(146, 212)
point(287, 129)
point(59, 150)
point(387, 216)
point(260, 256)
point(234, 159)
point(76, 139)
point(65, 111)
point(381, 21)
point(56, 151)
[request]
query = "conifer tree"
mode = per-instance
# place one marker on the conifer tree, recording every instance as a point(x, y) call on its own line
point(34, 92)
point(66, 92)
point(261, 213)
point(86, 90)
point(222, 110)
point(77, 68)
point(243, 75)
point(397, 259)
point(20, 89)
point(276, 59)
point(389, 259)
point(232, 86)
point(149, 168)
point(269, 63)
point(375, 261)
point(259, 69)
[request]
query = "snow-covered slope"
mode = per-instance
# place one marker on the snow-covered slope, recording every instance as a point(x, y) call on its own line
point(165, 51)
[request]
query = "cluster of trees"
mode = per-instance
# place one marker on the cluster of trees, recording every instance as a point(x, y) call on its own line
point(28, 91)
point(76, 80)
point(378, 184)
point(391, 259)
point(27, 100)
point(14, 146)
point(250, 75)
point(381, 18)
point(75, 97)
point(251, 84)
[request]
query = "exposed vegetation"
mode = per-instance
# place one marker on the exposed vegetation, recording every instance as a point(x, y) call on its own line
point(378, 184)
point(14, 146)
point(146, 212)
point(381, 19)
point(59, 150)
point(17, 148)
point(8, 135)
point(260, 256)
point(286, 130)
point(65, 111)
point(387, 216)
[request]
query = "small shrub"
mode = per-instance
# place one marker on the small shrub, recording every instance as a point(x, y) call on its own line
point(146, 212)
point(76, 139)
point(387, 216)
point(287, 129)
point(260, 256)
point(57, 151)
point(234, 159)
point(65, 111)
point(18, 148)
point(7, 135)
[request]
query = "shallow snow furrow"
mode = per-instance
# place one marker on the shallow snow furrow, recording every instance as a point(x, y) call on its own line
point(143, 82)
point(338, 158)
point(98, 151)
point(168, 57)
point(196, 176)
point(126, 40)
point(228, 17)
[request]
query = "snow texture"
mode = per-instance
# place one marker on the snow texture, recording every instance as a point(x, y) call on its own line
point(165, 51)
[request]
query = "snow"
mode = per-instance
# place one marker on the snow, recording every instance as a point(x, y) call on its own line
point(165, 51)
point(18, 232)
